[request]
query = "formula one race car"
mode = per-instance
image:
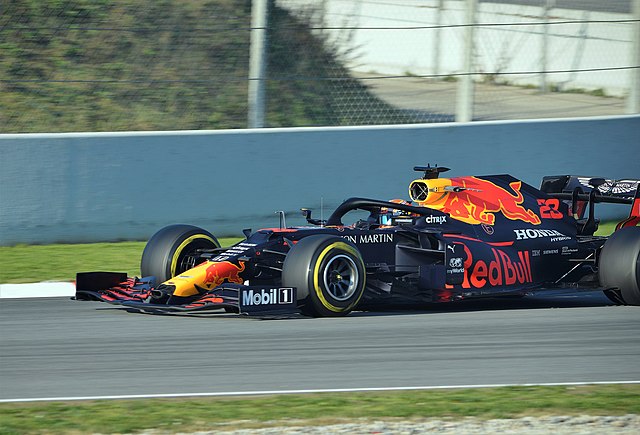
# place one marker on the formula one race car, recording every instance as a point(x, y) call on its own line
point(458, 238)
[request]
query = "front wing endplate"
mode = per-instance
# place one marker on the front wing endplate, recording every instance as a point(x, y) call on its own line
point(134, 294)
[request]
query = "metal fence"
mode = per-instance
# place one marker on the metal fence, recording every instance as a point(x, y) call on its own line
point(83, 65)
point(443, 60)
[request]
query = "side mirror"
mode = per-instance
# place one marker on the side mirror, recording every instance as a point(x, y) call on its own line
point(307, 215)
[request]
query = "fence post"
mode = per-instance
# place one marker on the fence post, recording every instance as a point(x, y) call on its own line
point(633, 100)
point(464, 101)
point(544, 49)
point(435, 60)
point(257, 63)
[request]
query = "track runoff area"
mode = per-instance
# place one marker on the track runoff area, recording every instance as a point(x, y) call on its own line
point(67, 289)
point(318, 391)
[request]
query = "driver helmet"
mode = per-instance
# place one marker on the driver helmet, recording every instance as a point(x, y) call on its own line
point(387, 214)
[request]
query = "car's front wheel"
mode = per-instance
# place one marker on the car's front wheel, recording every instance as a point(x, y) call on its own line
point(329, 275)
point(174, 249)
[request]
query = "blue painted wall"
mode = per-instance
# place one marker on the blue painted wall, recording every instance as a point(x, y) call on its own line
point(85, 187)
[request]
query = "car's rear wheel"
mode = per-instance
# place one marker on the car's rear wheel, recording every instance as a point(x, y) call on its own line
point(329, 275)
point(619, 267)
point(174, 249)
point(614, 296)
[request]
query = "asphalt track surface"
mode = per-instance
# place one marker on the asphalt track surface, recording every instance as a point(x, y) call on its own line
point(56, 347)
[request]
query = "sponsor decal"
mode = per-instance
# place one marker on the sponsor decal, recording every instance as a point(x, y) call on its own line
point(568, 251)
point(501, 270)
point(535, 253)
point(456, 266)
point(612, 186)
point(531, 233)
point(488, 229)
point(274, 296)
point(370, 238)
point(234, 251)
point(550, 251)
point(435, 219)
point(221, 272)
point(476, 201)
point(455, 262)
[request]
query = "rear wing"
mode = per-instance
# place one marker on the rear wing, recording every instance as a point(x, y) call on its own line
point(580, 191)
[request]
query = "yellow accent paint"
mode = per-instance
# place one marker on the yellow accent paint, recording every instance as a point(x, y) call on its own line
point(436, 191)
point(185, 282)
point(316, 270)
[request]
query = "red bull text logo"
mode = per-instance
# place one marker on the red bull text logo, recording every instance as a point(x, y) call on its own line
point(502, 270)
point(477, 200)
point(223, 271)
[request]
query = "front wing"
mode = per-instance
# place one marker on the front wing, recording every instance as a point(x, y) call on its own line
point(134, 294)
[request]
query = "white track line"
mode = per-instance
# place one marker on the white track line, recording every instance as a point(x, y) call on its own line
point(331, 390)
point(37, 290)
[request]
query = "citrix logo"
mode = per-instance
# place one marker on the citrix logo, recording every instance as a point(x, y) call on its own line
point(435, 219)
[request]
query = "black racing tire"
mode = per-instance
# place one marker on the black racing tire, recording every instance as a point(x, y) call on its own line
point(619, 266)
point(328, 273)
point(614, 296)
point(173, 249)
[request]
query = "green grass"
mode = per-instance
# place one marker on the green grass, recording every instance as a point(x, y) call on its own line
point(167, 65)
point(606, 228)
point(186, 415)
point(35, 263)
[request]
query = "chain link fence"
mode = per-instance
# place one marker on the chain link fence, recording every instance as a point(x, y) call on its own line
point(529, 59)
point(81, 65)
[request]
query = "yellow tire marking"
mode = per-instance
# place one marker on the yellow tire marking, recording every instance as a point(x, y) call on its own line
point(176, 254)
point(316, 273)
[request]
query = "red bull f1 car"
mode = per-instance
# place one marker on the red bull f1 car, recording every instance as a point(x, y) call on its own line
point(455, 238)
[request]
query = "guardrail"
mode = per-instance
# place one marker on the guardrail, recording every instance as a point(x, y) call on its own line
point(86, 187)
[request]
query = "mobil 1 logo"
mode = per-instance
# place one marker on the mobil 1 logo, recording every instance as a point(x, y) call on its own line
point(261, 299)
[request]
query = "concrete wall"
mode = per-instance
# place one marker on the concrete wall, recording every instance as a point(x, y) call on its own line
point(83, 187)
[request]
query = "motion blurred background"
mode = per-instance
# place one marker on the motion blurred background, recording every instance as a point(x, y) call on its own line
point(96, 65)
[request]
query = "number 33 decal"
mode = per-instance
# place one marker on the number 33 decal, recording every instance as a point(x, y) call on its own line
point(549, 208)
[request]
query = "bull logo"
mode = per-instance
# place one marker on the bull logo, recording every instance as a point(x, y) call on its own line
point(223, 271)
point(479, 200)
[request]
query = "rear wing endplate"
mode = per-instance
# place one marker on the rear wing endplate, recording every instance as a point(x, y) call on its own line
point(581, 190)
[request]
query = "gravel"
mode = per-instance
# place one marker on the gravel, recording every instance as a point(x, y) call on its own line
point(558, 425)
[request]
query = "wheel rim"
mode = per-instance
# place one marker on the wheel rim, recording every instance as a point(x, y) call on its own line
point(186, 261)
point(341, 277)
point(187, 254)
